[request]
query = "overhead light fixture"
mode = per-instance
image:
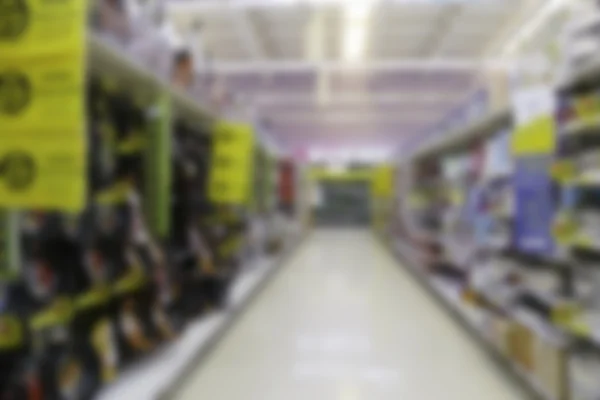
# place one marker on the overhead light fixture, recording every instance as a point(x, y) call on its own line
point(545, 12)
point(356, 26)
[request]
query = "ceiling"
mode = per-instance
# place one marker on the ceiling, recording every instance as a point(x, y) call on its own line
point(357, 72)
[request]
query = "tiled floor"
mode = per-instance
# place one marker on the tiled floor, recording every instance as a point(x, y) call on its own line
point(343, 322)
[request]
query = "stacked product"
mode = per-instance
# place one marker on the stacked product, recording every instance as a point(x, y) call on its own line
point(509, 297)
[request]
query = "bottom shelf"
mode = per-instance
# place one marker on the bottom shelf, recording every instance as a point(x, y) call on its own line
point(157, 376)
point(472, 318)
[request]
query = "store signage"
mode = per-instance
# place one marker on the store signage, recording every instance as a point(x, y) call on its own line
point(42, 99)
point(533, 145)
point(534, 208)
point(232, 163)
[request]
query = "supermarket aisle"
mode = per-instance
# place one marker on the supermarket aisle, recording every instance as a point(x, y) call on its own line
point(342, 321)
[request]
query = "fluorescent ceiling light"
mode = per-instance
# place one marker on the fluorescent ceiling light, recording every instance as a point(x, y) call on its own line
point(548, 10)
point(356, 26)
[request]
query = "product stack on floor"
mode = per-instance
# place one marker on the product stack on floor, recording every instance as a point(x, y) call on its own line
point(148, 255)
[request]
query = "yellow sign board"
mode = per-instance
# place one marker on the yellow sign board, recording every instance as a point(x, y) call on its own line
point(42, 93)
point(587, 108)
point(383, 181)
point(232, 163)
point(42, 104)
point(35, 27)
point(534, 137)
point(320, 174)
point(42, 173)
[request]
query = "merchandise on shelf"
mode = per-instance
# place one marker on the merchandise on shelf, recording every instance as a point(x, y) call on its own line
point(463, 212)
point(100, 288)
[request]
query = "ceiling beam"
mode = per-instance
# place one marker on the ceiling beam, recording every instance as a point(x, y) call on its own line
point(523, 11)
point(360, 119)
point(315, 51)
point(442, 64)
point(435, 41)
point(356, 99)
point(532, 27)
point(344, 132)
point(247, 34)
point(211, 5)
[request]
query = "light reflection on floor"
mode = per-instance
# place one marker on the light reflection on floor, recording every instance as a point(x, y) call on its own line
point(343, 322)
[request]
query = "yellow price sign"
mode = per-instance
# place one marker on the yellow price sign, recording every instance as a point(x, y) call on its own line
point(42, 93)
point(42, 173)
point(34, 27)
point(565, 313)
point(564, 231)
point(231, 167)
point(587, 108)
point(383, 181)
point(563, 170)
point(535, 137)
point(11, 332)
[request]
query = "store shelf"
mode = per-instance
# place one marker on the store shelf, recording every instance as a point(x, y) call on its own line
point(488, 125)
point(586, 326)
point(589, 177)
point(108, 60)
point(156, 377)
point(113, 63)
point(576, 128)
point(588, 74)
point(468, 317)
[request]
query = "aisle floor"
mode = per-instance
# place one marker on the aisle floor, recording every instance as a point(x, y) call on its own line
point(342, 321)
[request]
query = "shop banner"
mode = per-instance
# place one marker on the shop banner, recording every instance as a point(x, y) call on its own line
point(534, 206)
point(533, 144)
point(232, 163)
point(42, 104)
point(383, 182)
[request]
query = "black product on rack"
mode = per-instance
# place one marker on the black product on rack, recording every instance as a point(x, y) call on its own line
point(199, 230)
point(51, 260)
point(191, 157)
point(86, 292)
point(14, 344)
point(124, 237)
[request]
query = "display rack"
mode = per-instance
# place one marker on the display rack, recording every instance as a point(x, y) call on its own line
point(478, 129)
point(586, 75)
point(107, 60)
point(129, 282)
point(517, 323)
point(169, 369)
point(469, 317)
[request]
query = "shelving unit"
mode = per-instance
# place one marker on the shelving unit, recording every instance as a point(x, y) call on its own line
point(472, 319)
point(111, 62)
point(133, 294)
point(170, 367)
point(479, 129)
point(589, 74)
point(527, 307)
